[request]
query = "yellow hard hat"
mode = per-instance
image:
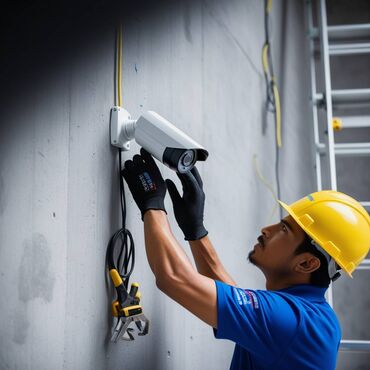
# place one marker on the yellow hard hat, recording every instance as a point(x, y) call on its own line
point(337, 223)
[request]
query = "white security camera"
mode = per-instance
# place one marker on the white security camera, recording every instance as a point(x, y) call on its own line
point(158, 136)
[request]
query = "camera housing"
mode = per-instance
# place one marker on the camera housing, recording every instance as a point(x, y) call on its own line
point(158, 136)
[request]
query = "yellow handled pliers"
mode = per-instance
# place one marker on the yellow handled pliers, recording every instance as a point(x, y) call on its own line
point(127, 309)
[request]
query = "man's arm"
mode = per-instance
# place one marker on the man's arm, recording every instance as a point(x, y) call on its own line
point(207, 261)
point(174, 273)
point(189, 210)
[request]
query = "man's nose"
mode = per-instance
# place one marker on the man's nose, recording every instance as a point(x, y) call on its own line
point(266, 232)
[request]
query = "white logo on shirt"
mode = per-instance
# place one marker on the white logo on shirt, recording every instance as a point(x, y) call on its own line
point(246, 297)
point(241, 297)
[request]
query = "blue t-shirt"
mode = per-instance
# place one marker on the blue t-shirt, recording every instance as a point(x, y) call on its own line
point(288, 329)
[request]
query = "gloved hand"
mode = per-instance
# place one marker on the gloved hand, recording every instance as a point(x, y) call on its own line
point(145, 182)
point(189, 209)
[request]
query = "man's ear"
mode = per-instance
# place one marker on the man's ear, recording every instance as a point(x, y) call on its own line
point(307, 263)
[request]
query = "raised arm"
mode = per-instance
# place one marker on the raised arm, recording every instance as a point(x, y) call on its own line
point(189, 210)
point(174, 273)
point(207, 261)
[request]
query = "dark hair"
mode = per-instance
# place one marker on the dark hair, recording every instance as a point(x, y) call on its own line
point(319, 277)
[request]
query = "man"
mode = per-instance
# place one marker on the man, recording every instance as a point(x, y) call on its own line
point(287, 326)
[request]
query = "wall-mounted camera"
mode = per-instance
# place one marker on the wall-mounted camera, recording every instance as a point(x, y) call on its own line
point(158, 136)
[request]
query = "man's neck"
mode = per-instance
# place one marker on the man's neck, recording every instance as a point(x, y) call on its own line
point(277, 284)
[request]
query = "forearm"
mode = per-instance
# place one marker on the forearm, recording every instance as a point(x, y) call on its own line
point(175, 275)
point(165, 256)
point(207, 261)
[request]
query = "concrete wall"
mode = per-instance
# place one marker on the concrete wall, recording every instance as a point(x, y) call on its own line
point(198, 64)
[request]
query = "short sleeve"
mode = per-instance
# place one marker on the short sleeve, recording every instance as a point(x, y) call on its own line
point(262, 322)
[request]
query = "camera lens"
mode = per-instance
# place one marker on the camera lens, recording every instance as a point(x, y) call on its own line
point(187, 159)
point(180, 160)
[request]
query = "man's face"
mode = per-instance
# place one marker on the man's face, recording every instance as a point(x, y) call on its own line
point(274, 253)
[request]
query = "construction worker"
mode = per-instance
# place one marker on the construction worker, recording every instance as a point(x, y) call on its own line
point(287, 326)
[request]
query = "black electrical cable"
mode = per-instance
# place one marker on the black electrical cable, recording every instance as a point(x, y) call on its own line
point(125, 261)
point(270, 97)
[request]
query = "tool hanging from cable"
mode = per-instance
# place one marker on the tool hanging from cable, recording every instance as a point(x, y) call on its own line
point(126, 308)
point(120, 256)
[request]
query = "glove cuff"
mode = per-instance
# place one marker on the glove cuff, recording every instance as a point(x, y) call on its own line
point(153, 204)
point(196, 234)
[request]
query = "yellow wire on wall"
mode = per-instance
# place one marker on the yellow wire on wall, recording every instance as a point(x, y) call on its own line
point(265, 62)
point(269, 6)
point(119, 66)
point(275, 90)
point(267, 184)
point(272, 105)
point(277, 113)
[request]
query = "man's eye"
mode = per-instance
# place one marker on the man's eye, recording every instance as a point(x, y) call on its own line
point(285, 229)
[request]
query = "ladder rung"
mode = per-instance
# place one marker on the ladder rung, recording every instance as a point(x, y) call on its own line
point(355, 121)
point(366, 205)
point(354, 345)
point(350, 96)
point(349, 49)
point(347, 149)
point(353, 96)
point(364, 265)
point(351, 31)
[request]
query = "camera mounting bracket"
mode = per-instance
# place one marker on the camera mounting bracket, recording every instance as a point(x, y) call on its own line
point(122, 128)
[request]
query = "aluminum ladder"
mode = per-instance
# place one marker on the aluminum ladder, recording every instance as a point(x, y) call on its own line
point(334, 41)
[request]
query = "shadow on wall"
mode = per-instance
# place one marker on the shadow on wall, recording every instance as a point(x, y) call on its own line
point(40, 37)
point(2, 194)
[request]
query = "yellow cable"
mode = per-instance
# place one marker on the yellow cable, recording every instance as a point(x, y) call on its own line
point(275, 89)
point(277, 113)
point(266, 183)
point(269, 6)
point(276, 95)
point(262, 178)
point(119, 66)
point(265, 63)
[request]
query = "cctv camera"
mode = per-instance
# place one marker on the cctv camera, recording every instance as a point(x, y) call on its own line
point(158, 136)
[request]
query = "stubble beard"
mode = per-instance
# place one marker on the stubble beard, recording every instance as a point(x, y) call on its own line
point(251, 258)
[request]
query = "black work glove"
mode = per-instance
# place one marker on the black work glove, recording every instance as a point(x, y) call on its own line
point(189, 209)
point(145, 182)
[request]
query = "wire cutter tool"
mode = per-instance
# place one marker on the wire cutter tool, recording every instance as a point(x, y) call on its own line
point(127, 309)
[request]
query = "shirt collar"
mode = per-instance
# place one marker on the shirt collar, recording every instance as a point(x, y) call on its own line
point(308, 291)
